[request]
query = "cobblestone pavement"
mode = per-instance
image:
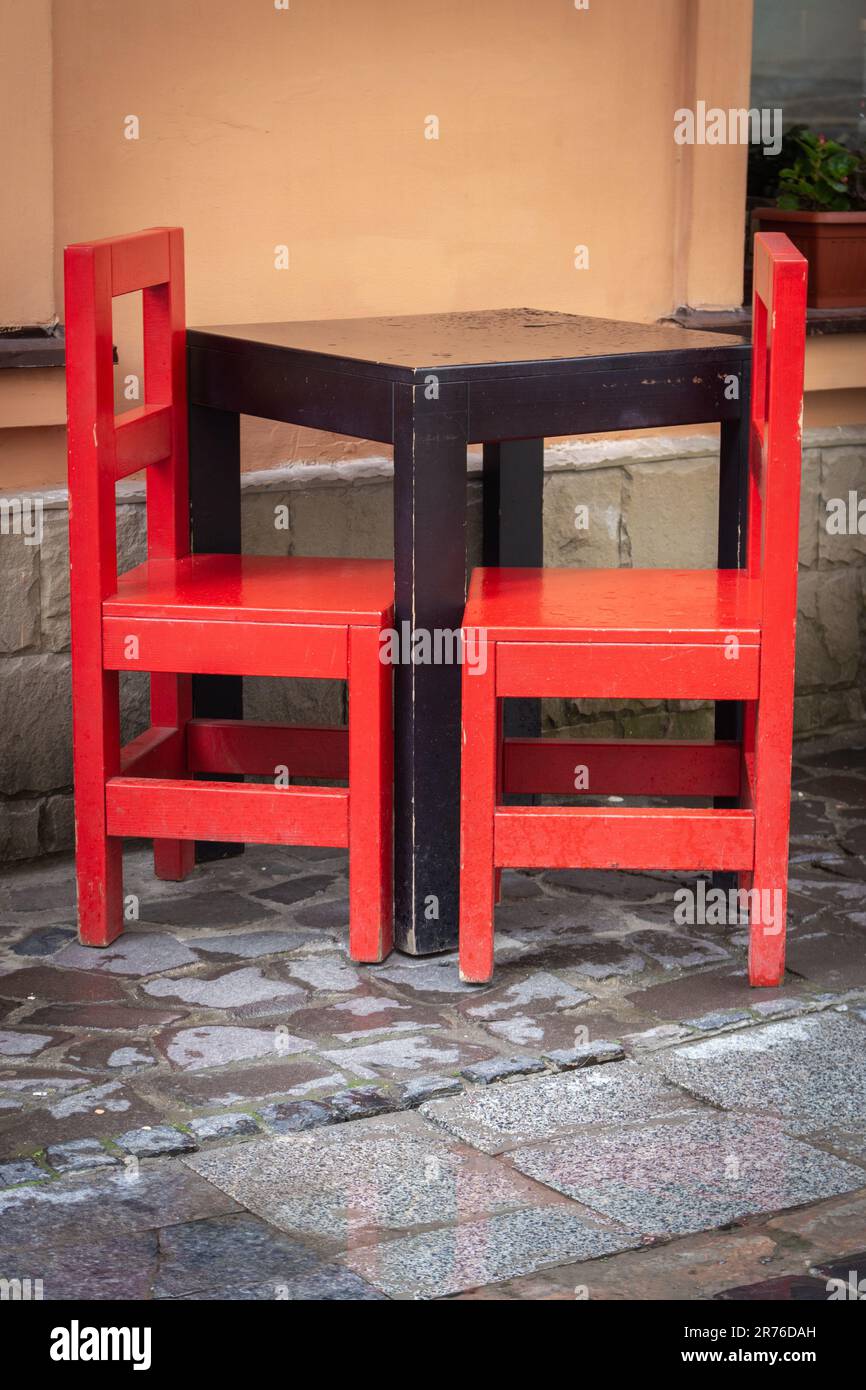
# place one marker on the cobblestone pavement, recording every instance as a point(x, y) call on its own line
point(221, 1106)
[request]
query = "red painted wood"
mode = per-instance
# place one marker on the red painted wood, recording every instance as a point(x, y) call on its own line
point(371, 779)
point(652, 634)
point(639, 670)
point(258, 588)
point(625, 605)
point(152, 754)
point(164, 340)
point(622, 837)
point(478, 775)
point(141, 437)
point(177, 615)
point(93, 574)
point(230, 648)
point(238, 811)
point(253, 747)
point(138, 260)
point(780, 284)
point(625, 767)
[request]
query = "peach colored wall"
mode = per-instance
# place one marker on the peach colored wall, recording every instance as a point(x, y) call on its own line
point(306, 127)
point(26, 222)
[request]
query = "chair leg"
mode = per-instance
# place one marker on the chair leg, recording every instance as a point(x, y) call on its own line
point(171, 707)
point(98, 856)
point(768, 889)
point(371, 763)
point(500, 760)
point(478, 783)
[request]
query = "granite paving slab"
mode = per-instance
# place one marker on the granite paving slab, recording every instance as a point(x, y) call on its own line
point(296, 890)
point(328, 973)
point(831, 959)
point(18, 1042)
point(359, 1183)
point(44, 941)
point(45, 984)
point(424, 976)
point(297, 1075)
point(228, 989)
point(405, 1054)
point(674, 952)
point(811, 1070)
point(541, 1032)
point(499, 1117)
point(252, 945)
point(123, 1052)
point(84, 1207)
point(689, 1174)
point(213, 1045)
point(361, 1016)
point(108, 1018)
point(220, 907)
point(225, 1250)
point(539, 988)
point(133, 953)
point(701, 992)
point(331, 1283)
point(38, 896)
point(119, 1267)
point(433, 1264)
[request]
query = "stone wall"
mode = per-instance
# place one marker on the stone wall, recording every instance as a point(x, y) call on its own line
point(646, 502)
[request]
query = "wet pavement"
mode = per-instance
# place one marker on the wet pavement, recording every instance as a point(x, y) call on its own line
point(221, 1106)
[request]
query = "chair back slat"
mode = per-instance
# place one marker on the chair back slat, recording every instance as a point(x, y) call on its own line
point(104, 447)
point(778, 351)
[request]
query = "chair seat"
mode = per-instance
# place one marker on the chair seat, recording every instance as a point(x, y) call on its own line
point(614, 605)
point(257, 588)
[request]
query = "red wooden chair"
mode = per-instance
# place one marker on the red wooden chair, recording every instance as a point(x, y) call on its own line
point(676, 634)
point(179, 614)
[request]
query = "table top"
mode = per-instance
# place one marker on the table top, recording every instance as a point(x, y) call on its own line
point(470, 342)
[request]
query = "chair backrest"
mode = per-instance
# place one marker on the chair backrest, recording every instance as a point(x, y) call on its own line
point(104, 447)
point(778, 351)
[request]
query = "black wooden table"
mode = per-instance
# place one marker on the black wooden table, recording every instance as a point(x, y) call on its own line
point(430, 384)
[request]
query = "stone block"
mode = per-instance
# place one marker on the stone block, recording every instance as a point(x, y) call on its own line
point(828, 628)
point(19, 829)
point(35, 723)
point(843, 472)
point(355, 519)
point(54, 581)
point(586, 539)
point(266, 522)
point(671, 511)
point(811, 511)
point(19, 584)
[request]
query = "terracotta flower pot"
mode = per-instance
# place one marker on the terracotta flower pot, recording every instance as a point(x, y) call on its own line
point(834, 244)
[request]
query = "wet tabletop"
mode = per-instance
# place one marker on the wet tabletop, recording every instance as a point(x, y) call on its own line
point(471, 338)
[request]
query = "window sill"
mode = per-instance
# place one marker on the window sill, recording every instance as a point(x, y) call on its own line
point(819, 322)
point(33, 346)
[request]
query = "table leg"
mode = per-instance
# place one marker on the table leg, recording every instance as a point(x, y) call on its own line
point(733, 502)
point(430, 589)
point(513, 521)
point(215, 526)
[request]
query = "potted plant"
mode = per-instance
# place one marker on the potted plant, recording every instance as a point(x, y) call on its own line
point(821, 208)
